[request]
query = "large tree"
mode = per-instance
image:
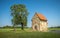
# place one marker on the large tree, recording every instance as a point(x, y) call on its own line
point(19, 14)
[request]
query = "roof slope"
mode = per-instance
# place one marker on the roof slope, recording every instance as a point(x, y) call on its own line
point(42, 17)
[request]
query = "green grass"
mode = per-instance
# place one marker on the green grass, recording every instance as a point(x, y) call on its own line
point(54, 28)
point(9, 33)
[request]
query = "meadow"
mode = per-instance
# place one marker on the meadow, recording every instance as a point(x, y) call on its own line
point(26, 33)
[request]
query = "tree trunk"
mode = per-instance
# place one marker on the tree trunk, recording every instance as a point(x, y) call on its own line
point(14, 29)
point(22, 26)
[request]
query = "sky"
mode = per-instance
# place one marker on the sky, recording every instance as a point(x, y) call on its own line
point(49, 8)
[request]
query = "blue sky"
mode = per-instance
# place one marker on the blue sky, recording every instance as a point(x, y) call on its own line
point(49, 8)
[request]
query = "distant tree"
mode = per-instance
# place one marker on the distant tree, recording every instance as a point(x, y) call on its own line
point(7, 26)
point(19, 14)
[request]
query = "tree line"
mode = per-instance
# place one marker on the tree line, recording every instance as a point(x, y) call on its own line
point(7, 26)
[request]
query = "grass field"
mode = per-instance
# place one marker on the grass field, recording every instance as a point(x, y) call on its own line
point(54, 28)
point(27, 33)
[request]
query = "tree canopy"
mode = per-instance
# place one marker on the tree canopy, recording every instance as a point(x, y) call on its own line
point(19, 14)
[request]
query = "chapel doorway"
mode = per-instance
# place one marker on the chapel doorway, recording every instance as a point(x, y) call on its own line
point(36, 27)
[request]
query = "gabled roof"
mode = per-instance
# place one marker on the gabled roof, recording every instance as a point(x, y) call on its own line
point(41, 17)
